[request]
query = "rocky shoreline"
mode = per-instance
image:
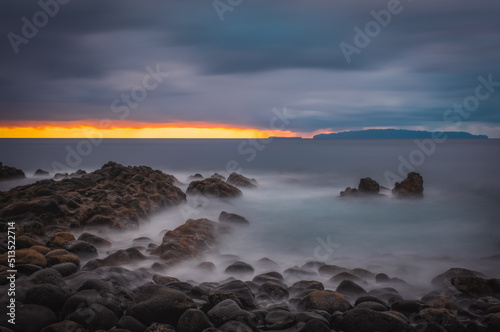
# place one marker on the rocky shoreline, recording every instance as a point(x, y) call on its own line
point(68, 283)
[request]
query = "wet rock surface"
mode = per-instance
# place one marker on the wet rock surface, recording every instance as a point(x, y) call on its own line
point(10, 173)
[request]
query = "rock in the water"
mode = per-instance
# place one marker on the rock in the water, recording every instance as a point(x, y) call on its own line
point(218, 176)
point(315, 325)
point(131, 324)
point(193, 320)
point(412, 186)
point(82, 249)
point(240, 268)
point(232, 218)
point(214, 188)
point(477, 287)
point(26, 256)
point(64, 326)
point(41, 172)
point(225, 311)
point(366, 320)
point(446, 277)
point(350, 288)
point(50, 296)
point(241, 181)
point(94, 240)
point(60, 240)
point(155, 303)
point(368, 186)
point(324, 300)
point(10, 173)
point(189, 240)
point(441, 317)
point(275, 291)
point(279, 320)
point(33, 318)
point(59, 256)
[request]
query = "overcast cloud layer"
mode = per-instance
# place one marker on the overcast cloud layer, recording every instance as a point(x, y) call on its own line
point(263, 55)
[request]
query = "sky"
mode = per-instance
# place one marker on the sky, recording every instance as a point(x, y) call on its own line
point(247, 68)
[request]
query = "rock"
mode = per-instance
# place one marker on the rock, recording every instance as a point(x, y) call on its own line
point(82, 249)
point(446, 277)
point(346, 276)
point(324, 300)
point(95, 317)
point(297, 272)
point(366, 320)
point(242, 291)
point(24, 242)
point(218, 176)
point(33, 318)
point(494, 322)
point(269, 276)
point(41, 172)
point(441, 317)
point(330, 270)
point(131, 324)
point(275, 291)
point(234, 326)
point(349, 192)
point(477, 287)
point(26, 256)
point(225, 311)
point(441, 302)
point(59, 256)
point(368, 186)
point(27, 269)
point(189, 240)
point(47, 295)
point(372, 306)
point(156, 327)
point(386, 294)
point(64, 326)
point(164, 280)
point(65, 269)
point(232, 218)
point(241, 181)
point(214, 188)
point(279, 320)
point(60, 240)
point(155, 303)
point(41, 249)
point(46, 276)
point(310, 315)
point(239, 268)
point(193, 320)
point(350, 289)
point(267, 263)
point(408, 308)
point(412, 186)
point(308, 284)
point(10, 173)
point(206, 266)
point(315, 325)
point(94, 240)
point(382, 278)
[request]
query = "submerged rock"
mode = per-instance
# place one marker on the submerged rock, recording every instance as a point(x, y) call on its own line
point(41, 172)
point(412, 186)
point(232, 218)
point(366, 186)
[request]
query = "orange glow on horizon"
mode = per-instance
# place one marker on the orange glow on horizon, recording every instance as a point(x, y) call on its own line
point(130, 129)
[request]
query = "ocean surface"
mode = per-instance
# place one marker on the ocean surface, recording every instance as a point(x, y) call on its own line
point(296, 215)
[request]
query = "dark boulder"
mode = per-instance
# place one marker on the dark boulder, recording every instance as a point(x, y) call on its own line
point(193, 320)
point(232, 218)
point(445, 278)
point(227, 310)
point(279, 320)
point(82, 249)
point(440, 316)
point(412, 186)
point(10, 173)
point(41, 172)
point(324, 300)
point(94, 240)
point(213, 188)
point(366, 320)
point(64, 326)
point(368, 186)
point(47, 295)
point(239, 268)
point(241, 181)
point(477, 287)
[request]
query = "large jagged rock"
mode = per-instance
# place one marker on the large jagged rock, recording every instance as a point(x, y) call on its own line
point(241, 181)
point(189, 240)
point(213, 187)
point(115, 195)
point(10, 173)
point(366, 186)
point(412, 186)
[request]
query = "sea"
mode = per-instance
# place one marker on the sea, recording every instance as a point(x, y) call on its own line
point(296, 214)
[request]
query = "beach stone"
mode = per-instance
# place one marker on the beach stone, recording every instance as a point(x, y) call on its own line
point(324, 300)
point(27, 269)
point(40, 172)
point(164, 280)
point(308, 284)
point(372, 306)
point(59, 256)
point(33, 317)
point(241, 181)
point(82, 249)
point(95, 317)
point(47, 295)
point(225, 311)
point(94, 240)
point(275, 291)
point(366, 320)
point(193, 320)
point(206, 266)
point(65, 269)
point(382, 278)
point(279, 319)
point(26, 256)
point(346, 276)
point(442, 317)
point(234, 326)
point(387, 294)
point(60, 240)
point(157, 327)
point(494, 322)
point(315, 325)
point(477, 287)
point(218, 176)
point(41, 249)
point(232, 218)
point(155, 303)
point(350, 288)
point(455, 272)
point(131, 324)
point(242, 291)
point(64, 326)
point(261, 278)
point(24, 242)
point(46, 276)
point(412, 186)
point(297, 272)
point(330, 270)
point(441, 302)
point(408, 308)
point(214, 188)
point(267, 263)
point(239, 268)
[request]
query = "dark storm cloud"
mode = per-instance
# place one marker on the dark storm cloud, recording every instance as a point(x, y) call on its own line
point(264, 55)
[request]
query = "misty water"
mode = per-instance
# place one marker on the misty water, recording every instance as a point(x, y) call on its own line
point(296, 215)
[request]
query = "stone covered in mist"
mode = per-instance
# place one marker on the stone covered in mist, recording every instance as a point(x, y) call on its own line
point(366, 186)
point(41, 172)
point(115, 195)
point(412, 186)
point(232, 218)
point(10, 173)
point(213, 187)
point(241, 181)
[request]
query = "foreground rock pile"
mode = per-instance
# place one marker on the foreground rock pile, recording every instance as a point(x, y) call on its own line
point(411, 187)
